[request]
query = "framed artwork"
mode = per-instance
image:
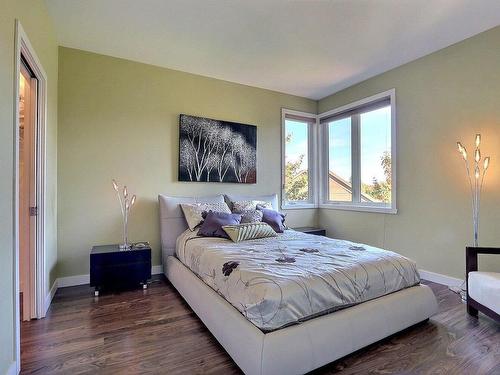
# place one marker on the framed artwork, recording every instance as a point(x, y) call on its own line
point(217, 151)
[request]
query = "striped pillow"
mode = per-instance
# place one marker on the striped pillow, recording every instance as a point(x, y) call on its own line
point(249, 231)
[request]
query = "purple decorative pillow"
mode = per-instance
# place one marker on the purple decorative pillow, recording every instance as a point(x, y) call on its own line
point(214, 221)
point(274, 218)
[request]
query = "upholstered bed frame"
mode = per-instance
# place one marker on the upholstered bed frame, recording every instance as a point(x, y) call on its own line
point(296, 349)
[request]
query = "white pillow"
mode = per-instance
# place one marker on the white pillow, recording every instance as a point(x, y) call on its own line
point(192, 211)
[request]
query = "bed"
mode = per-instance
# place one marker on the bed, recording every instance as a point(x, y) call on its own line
point(295, 328)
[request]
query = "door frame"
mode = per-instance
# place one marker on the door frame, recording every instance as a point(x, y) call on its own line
point(24, 48)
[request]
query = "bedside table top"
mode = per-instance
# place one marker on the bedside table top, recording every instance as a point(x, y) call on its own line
point(308, 229)
point(114, 249)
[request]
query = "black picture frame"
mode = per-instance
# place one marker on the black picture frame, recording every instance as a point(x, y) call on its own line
point(216, 151)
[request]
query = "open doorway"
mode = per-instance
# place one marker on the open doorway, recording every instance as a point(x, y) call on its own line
point(31, 295)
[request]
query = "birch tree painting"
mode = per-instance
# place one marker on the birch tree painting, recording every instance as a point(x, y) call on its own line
point(217, 151)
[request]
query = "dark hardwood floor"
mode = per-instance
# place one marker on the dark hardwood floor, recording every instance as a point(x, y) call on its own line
point(155, 332)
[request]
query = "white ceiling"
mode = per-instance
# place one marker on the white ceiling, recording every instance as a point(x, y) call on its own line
point(309, 48)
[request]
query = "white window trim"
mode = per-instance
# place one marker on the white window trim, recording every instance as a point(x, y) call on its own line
point(323, 160)
point(312, 161)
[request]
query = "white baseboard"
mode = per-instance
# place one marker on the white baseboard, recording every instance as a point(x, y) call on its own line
point(12, 370)
point(440, 279)
point(50, 296)
point(157, 270)
point(63, 282)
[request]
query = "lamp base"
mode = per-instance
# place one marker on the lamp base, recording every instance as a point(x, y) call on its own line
point(124, 246)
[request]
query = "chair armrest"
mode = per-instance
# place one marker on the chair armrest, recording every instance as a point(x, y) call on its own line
point(470, 261)
point(471, 256)
point(483, 250)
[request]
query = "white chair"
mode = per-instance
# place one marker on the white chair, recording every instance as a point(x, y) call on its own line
point(483, 288)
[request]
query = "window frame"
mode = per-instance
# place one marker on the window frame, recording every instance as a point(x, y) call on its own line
point(311, 159)
point(324, 201)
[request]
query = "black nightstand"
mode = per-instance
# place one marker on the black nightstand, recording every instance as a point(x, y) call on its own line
point(112, 268)
point(311, 230)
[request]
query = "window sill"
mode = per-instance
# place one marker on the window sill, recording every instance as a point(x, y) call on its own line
point(348, 207)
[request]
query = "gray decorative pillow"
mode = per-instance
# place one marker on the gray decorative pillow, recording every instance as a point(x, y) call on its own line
point(193, 211)
point(241, 206)
point(251, 216)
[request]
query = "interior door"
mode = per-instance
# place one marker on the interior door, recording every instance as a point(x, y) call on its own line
point(27, 191)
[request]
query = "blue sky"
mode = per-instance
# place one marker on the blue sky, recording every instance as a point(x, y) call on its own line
point(375, 139)
point(298, 144)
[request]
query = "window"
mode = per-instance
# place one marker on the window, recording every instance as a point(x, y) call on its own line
point(298, 148)
point(358, 153)
point(341, 159)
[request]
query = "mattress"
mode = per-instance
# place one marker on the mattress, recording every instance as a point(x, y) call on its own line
point(279, 281)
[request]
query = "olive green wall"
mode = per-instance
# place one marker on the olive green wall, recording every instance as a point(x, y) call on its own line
point(120, 119)
point(35, 21)
point(444, 97)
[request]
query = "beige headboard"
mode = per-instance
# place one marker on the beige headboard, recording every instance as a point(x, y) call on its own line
point(172, 222)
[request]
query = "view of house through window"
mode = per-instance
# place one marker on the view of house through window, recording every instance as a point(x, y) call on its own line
point(339, 160)
point(296, 174)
